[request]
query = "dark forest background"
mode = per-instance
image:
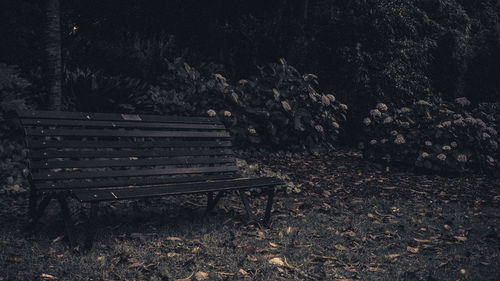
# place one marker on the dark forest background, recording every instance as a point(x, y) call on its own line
point(247, 61)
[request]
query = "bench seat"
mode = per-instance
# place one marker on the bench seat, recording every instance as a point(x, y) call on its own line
point(95, 157)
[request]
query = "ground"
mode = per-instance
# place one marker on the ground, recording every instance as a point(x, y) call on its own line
point(350, 222)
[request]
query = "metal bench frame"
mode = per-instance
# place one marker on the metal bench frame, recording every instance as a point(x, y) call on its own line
point(183, 155)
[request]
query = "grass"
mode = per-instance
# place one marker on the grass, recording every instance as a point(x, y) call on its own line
point(351, 222)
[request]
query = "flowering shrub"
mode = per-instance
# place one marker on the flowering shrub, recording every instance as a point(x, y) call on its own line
point(279, 107)
point(439, 136)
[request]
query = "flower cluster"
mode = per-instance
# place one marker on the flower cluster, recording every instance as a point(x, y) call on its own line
point(438, 136)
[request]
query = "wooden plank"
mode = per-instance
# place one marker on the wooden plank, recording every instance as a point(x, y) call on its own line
point(113, 117)
point(123, 144)
point(129, 173)
point(78, 184)
point(119, 124)
point(45, 154)
point(129, 163)
point(185, 188)
point(125, 133)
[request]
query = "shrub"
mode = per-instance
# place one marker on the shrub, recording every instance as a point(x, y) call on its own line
point(279, 107)
point(13, 90)
point(438, 136)
point(285, 109)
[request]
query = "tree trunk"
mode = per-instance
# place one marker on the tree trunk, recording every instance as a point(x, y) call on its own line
point(53, 62)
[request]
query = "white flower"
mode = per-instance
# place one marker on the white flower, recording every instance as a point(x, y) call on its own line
point(367, 121)
point(463, 101)
point(211, 112)
point(325, 100)
point(319, 128)
point(381, 106)
point(400, 140)
point(491, 131)
point(422, 102)
point(470, 120)
point(388, 120)
point(428, 143)
point(372, 142)
point(441, 157)
point(344, 107)
point(404, 110)
point(252, 131)
point(286, 106)
point(459, 122)
point(331, 97)
point(453, 144)
point(394, 133)
point(227, 113)
point(446, 123)
point(335, 125)
point(276, 95)
point(462, 158)
point(405, 125)
point(425, 154)
point(481, 123)
point(235, 96)
point(446, 147)
point(375, 113)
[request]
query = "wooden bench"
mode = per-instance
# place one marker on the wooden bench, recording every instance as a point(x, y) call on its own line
point(97, 157)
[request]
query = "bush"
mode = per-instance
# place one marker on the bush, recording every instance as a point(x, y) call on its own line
point(437, 136)
point(279, 107)
point(285, 110)
point(13, 89)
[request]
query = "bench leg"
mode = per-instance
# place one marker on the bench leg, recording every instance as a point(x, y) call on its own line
point(91, 228)
point(68, 222)
point(244, 198)
point(212, 202)
point(36, 210)
point(269, 205)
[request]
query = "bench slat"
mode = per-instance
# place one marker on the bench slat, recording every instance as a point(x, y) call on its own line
point(79, 184)
point(114, 117)
point(129, 163)
point(125, 133)
point(118, 124)
point(129, 173)
point(127, 153)
point(185, 188)
point(123, 144)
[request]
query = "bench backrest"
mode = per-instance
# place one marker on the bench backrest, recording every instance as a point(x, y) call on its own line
point(73, 150)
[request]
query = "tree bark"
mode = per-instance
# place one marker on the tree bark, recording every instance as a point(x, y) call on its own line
point(53, 63)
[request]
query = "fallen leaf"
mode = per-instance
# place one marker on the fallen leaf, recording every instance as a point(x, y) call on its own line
point(58, 238)
point(242, 271)
point(48, 276)
point(389, 187)
point(136, 264)
point(422, 240)
point(277, 261)
point(411, 249)
point(273, 244)
point(173, 239)
point(392, 256)
point(289, 230)
point(340, 247)
point(461, 238)
point(348, 233)
point(200, 275)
